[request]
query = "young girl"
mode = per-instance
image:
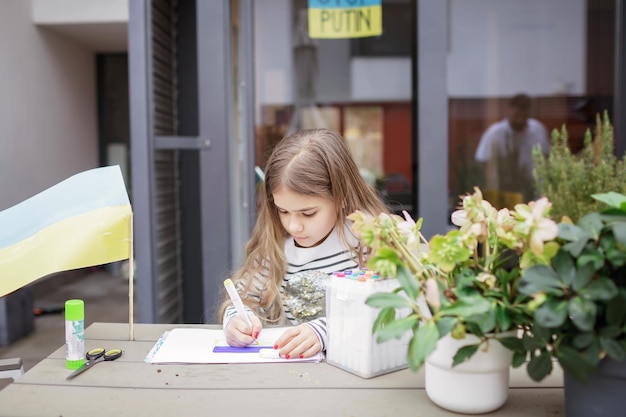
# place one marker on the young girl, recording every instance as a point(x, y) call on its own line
point(311, 185)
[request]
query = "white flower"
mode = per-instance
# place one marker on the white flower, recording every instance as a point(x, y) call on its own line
point(407, 229)
point(502, 216)
point(541, 229)
point(432, 293)
point(459, 218)
point(488, 279)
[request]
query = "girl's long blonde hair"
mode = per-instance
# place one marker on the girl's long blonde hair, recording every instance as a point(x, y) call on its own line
point(315, 162)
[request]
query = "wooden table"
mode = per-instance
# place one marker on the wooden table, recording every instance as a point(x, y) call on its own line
point(131, 387)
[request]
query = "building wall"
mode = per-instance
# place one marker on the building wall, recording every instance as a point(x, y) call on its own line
point(80, 11)
point(48, 128)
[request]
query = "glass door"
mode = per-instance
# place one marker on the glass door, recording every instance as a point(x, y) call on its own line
point(516, 72)
point(359, 86)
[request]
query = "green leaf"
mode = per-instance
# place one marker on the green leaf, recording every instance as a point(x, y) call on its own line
point(469, 327)
point(583, 340)
point(539, 366)
point(390, 254)
point(584, 274)
point(540, 278)
point(552, 313)
point(574, 363)
point(445, 325)
point(486, 321)
point(386, 299)
point(582, 312)
point(384, 266)
point(592, 256)
point(616, 257)
point(465, 280)
point(571, 232)
point(593, 352)
point(512, 343)
point(613, 349)
point(612, 214)
point(576, 237)
point(519, 359)
point(503, 320)
point(599, 289)
point(505, 276)
point(610, 332)
point(616, 310)
point(541, 332)
point(564, 266)
point(592, 224)
point(619, 231)
point(533, 342)
point(395, 329)
point(467, 306)
point(576, 247)
point(464, 353)
point(422, 344)
point(408, 282)
point(611, 199)
point(550, 249)
point(385, 316)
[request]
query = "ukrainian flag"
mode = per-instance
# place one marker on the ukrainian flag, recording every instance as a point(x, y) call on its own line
point(83, 221)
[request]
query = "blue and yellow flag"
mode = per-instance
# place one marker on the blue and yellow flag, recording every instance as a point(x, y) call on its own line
point(83, 221)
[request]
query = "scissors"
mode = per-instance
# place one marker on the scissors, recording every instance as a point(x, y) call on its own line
point(94, 356)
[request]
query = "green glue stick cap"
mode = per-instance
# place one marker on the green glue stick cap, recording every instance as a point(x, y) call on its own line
point(74, 310)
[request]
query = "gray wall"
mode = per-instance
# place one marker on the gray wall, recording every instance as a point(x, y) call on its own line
point(47, 106)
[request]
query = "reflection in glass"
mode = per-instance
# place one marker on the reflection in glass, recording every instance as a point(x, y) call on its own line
point(363, 131)
point(552, 51)
point(360, 88)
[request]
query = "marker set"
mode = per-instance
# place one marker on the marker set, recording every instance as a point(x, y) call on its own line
point(351, 344)
point(358, 274)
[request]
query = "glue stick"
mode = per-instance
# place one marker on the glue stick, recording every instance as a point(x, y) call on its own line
point(74, 334)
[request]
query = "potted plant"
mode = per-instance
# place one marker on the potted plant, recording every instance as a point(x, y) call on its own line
point(580, 314)
point(468, 279)
point(569, 180)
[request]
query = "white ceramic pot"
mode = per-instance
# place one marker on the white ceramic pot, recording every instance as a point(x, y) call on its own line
point(479, 385)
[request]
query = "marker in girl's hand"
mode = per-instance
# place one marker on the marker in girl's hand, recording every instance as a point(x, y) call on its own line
point(234, 297)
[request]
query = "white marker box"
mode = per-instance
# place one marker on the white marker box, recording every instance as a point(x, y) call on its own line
point(351, 344)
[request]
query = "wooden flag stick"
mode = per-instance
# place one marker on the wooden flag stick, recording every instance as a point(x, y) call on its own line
point(131, 281)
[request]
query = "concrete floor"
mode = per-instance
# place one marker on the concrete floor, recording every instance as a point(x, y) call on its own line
point(106, 300)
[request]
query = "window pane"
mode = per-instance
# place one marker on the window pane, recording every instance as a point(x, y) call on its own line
point(359, 87)
point(559, 54)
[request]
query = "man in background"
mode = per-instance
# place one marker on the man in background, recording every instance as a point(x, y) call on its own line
point(506, 150)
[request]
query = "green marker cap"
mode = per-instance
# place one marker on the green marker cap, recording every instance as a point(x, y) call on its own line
point(74, 310)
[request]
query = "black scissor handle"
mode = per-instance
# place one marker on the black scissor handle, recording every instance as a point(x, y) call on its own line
point(112, 354)
point(94, 353)
point(102, 354)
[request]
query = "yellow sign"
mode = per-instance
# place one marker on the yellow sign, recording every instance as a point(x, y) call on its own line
point(340, 19)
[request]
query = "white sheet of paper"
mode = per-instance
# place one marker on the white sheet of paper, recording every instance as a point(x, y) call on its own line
point(188, 345)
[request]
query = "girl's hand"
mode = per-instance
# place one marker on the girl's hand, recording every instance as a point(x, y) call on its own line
point(298, 342)
point(239, 334)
